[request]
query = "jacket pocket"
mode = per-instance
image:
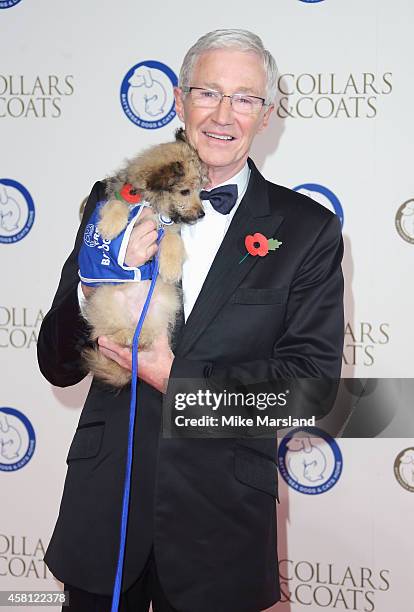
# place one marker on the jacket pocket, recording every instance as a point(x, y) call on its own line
point(87, 441)
point(259, 296)
point(256, 470)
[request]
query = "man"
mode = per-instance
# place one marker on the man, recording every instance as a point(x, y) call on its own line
point(202, 528)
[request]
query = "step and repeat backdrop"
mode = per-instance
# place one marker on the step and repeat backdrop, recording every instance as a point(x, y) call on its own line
point(84, 85)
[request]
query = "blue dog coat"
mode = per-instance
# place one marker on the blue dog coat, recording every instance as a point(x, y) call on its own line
point(102, 261)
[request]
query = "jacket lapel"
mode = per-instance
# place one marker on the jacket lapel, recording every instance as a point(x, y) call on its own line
point(226, 273)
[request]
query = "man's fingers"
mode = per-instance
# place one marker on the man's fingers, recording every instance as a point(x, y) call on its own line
point(109, 354)
point(103, 341)
point(143, 227)
point(114, 351)
point(143, 236)
point(148, 239)
point(151, 250)
point(147, 212)
point(142, 244)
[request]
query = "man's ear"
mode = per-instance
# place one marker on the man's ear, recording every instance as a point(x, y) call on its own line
point(165, 177)
point(179, 105)
point(265, 119)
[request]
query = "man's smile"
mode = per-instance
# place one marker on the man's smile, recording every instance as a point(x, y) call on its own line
point(217, 136)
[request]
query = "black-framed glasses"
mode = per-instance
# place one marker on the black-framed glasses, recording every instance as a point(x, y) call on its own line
point(209, 98)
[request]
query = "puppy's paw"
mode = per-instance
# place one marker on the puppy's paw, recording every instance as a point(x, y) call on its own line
point(170, 271)
point(114, 218)
point(172, 256)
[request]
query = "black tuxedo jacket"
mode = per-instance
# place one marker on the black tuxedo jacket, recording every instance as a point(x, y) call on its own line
point(207, 506)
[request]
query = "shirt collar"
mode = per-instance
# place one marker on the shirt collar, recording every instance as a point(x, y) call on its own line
point(240, 179)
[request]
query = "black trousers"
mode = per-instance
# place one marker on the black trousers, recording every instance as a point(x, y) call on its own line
point(146, 589)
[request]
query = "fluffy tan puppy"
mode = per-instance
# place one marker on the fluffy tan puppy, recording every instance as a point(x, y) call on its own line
point(168, 176)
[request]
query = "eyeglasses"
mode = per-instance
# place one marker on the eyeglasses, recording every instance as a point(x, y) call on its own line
point(241, 103)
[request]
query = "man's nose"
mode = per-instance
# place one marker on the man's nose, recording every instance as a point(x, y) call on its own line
point(223, 113)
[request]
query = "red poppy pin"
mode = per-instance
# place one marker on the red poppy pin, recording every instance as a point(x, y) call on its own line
point(128, 194)
point(257, 244)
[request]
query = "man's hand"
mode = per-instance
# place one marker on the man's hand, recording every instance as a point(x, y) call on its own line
point(142, 243)
point(154, 366)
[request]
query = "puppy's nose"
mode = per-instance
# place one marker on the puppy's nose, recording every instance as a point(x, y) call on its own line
point(201, 214)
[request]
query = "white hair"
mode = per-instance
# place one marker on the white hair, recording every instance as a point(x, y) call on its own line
point(242, 40)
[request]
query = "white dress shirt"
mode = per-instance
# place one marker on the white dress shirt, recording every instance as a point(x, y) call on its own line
point(202, 241)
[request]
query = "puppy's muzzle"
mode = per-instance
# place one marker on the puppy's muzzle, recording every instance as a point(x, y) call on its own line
point(196, 215)
point(189, 217)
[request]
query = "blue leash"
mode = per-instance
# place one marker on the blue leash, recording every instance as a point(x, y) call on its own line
point(132, 413)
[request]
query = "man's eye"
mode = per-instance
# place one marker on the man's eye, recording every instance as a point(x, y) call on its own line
point(246, 101)
point(185, 192)
point(208, 94)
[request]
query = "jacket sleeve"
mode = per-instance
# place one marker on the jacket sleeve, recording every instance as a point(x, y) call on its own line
point(64, 332)
point(312, 340)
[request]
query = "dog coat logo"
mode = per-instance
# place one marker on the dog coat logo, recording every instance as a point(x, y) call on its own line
point(17, 211)
point(147, 96)
point(310, 461)
point(91, 235)
point(323, 196)
point(404, 221)
point(404, 468)
point(17, 440)
point(5, 4)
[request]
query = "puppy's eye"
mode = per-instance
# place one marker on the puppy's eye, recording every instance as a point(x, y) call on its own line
point(185, 192)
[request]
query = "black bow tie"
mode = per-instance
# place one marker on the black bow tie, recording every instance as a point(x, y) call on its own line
point(221, 198)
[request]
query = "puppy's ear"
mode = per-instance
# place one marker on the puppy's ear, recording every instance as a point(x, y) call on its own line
point(165, 177)
point(180, 135)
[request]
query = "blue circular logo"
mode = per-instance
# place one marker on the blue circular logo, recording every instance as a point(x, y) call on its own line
point(17, 440)
point(17, 211)
point(323, 196)
point(309, 460)
point(5, 4)
point(147, 95)
point(311, 1)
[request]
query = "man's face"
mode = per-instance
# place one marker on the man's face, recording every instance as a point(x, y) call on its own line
point(228, 71)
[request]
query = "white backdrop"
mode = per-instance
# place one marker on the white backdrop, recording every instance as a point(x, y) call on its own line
point(343, 128)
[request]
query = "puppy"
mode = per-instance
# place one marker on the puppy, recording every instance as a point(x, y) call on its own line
point(169, 177)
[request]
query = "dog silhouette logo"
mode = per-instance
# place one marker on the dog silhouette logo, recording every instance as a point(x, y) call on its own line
point(147, 95)
point(323, 196)
point(5, 4)
point(310, 461)
point(404, 468)
point(404, 221)
point(17, 211)
point(17, 440)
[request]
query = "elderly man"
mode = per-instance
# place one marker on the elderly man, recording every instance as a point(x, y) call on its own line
point(202, 519)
